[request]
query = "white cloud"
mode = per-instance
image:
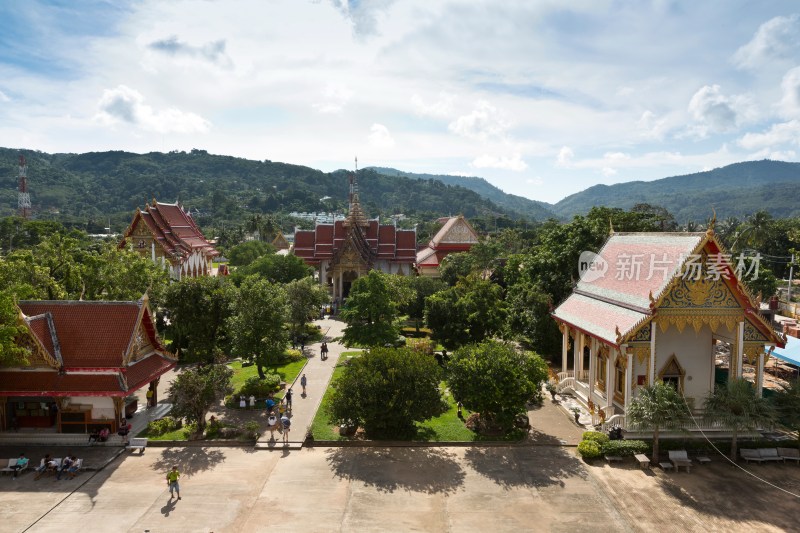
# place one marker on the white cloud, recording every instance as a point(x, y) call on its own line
point(651, 126)
point(776, 135)
point(213, 52)
point(363, 15)
point(536, 180)
point(608, 172)
point(4, 97)
point(790, 104)
point(778, 38)
point(483, 122)
point(514, 162)
point(380, 136)
point(442, 107)
point(124, 104)
point(565, 156)
point(335, 98)
point(714, 111)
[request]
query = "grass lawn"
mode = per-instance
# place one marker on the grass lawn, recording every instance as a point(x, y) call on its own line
point(287, 372)
point(445, 427)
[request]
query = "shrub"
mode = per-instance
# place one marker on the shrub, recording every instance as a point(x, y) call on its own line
point(625, 448)
point(260, 388)
point(589, 449)
point(163, 425)
point(421, 345)
point(595, 436)
point(251, 429)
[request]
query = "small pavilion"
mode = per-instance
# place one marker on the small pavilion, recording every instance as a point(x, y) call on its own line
point(456, 235)
point(656, 306)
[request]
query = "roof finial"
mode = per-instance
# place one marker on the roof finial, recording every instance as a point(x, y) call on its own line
point(712, 222)
point(610, 227)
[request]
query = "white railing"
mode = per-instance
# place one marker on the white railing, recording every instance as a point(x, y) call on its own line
point(564, 375)
point(582, 375)
point(615, 421)
point(566, 383)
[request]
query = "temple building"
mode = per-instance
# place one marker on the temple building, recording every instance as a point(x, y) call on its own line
point(170, 237)
point(344, 250)
point(456, 235)
point(85, 358)
point(658, 306)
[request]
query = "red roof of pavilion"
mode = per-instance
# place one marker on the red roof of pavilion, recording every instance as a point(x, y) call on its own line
point(173, 229)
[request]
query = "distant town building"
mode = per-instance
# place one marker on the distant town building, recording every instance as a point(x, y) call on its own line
point(170, 237)
point(456, 235)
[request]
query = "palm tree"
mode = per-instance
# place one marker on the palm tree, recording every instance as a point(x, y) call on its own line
point(788, 405)
point(737, 407)
point(658, 406)
point(755, 231)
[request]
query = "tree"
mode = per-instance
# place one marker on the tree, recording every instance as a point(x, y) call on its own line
point(456, 266)
point(114, 274)
point(276, 268)
point(198, 310)
point(11, 330)
point(245, 253)
point(495, 379)
point(529, 318)
point(386, 391)
point(755, 231)
point(256, 328)
point(420, 287)
point(371, 312)
point(658, 406)
point(23, 277)
point(196, 390)
point(305, 297)
point(788, 406)
point(737, 407)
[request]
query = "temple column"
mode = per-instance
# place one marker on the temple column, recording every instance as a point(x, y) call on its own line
point(610, 377)
point(576, 348)
point(628, 379)
point(592, 367)
point(651, 379)
point(153, 251)
point(564, 347)
point(739, 350)
point(340, 295)
point(323, 274)
point(760, 373)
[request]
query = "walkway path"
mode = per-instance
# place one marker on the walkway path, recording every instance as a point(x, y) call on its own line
point(318, 374)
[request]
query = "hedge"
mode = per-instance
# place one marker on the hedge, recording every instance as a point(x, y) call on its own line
point(625, 448)
point(589, 449)
point(595, 436)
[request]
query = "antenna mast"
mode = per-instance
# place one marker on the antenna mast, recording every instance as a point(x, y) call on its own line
point(24, 199)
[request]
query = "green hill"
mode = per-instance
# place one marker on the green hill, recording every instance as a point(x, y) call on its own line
point(734, 190)
point(522, 207)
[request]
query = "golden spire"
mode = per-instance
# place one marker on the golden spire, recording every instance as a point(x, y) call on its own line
point(355, 216)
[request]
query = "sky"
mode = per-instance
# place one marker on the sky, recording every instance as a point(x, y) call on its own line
point(541, 98)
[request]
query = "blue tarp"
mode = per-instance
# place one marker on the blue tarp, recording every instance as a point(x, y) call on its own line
point(790, 354)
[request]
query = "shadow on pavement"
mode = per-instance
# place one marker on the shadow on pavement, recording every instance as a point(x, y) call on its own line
point(428, 470)
point(526, 466)
point(189, 460)
point(169, 507)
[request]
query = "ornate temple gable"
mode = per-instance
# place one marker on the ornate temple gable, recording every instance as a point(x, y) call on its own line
point(280, 242)
point(140, 345)
point(700, 293)
point(355, 253)
point(460, 232)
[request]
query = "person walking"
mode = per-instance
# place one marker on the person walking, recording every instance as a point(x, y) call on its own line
point(172, 482)
point(324, 351)
point(242, 402)
point(272, 425)
point(303, 383)
point(286, 424)
point(252, 402)
point(149, 395)
point(289, 399)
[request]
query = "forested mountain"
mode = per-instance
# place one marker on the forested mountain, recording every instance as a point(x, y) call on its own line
point(518, 205)
point(734, 191)
point(86, 190)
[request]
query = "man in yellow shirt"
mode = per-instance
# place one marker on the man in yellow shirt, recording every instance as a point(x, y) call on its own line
point(172, 481)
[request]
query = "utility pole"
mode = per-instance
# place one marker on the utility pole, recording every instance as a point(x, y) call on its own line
point(789, 288)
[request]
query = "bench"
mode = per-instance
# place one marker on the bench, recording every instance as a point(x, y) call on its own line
point(613, 458)
point(751, 455)
point(643, 460)
point(770, 454)
point(666, 466)
point(702, 459)
point(680, 458)
point(137, 444)
point(793, 454)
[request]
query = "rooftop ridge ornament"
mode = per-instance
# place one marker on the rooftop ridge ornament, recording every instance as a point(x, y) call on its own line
point(355, 215)
point(712, 222)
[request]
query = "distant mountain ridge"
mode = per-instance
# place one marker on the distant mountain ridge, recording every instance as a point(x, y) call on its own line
point(735, 190)
point(518, 205)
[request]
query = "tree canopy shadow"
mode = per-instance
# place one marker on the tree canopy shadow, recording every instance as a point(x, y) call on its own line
point(428, 470)
point(189, 460)
point(525, 466)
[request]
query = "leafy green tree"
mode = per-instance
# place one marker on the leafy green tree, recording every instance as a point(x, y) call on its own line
point(23, 277)
point(198, 310)
point(788, 406)
point(386, 391)
point(11, 329)
point(57, 254)
point(658, 406)
point(371, 312)
point(196, 390)
point(737, 407)
point(495, 379)
point(245, 253)
point(256, 328)
point(420, 288)
point(755, 231)
point(276, 268)
point(529, 318)
point(470, 312)
point(455, 267)
point(114, 274)
point(305, 297)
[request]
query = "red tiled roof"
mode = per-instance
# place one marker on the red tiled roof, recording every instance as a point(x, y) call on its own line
point(143, 372)
point(173, 228)
point(51, 383)
point(382, 240)
point(40, 327)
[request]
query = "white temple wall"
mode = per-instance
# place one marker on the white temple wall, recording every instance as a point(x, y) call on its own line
point(102, 407)
point(693, 352)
